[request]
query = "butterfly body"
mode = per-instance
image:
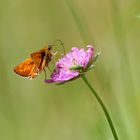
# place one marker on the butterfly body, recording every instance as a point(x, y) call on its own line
point(32, 66)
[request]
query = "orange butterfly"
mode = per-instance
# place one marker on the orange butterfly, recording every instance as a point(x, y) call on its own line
point(32, 66)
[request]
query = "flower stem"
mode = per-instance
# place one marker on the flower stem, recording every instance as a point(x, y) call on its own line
point(103, 107)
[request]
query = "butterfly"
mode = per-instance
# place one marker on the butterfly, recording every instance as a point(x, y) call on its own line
point(35, 64)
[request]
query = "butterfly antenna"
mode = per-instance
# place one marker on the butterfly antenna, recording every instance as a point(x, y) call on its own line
point(60, 43)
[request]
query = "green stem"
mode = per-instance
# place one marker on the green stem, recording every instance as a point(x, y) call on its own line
point(103, 107)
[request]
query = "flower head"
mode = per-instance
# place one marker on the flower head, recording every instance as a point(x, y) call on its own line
point(71, 64)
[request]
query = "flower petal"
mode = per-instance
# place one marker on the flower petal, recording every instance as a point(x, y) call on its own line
point(76, 56)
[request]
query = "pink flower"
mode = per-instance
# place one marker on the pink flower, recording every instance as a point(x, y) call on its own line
point(70, 65)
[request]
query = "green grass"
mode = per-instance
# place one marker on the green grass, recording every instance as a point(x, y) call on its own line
point(33, 110)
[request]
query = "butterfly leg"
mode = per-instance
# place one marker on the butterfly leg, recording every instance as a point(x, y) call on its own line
point(45, 73)
point(49, 69)
point(52, 62)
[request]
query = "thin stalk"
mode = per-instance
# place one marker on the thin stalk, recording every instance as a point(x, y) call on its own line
point(103, 107)
point(80, 21)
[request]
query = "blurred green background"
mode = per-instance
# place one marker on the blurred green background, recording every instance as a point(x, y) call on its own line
point(33, 110)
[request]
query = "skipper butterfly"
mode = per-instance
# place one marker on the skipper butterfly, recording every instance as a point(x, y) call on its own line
point(35, 64)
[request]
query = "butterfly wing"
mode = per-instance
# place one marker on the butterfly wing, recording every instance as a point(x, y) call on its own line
point(39, 58)
point(31, 67)
point(27, 69)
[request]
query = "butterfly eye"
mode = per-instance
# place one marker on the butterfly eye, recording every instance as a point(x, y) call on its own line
point(50, 47)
